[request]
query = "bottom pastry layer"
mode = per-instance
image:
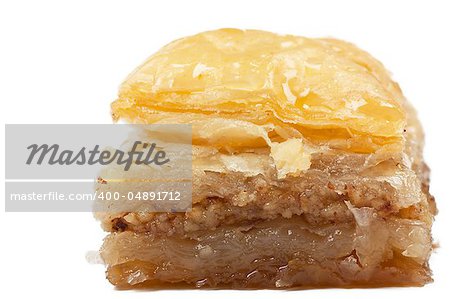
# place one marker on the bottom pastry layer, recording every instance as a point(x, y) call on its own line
point(281, 253)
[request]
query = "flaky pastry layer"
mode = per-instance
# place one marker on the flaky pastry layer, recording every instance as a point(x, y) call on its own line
point(276, 254)
point(322, 89)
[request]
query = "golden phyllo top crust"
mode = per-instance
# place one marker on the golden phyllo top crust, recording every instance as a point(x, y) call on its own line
point(327, 91)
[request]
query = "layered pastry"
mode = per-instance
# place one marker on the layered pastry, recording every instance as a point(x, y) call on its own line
point(307, 169)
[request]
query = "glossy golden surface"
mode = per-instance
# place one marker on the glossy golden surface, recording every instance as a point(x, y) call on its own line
point(327, 91)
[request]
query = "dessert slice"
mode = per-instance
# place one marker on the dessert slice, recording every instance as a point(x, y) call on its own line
point(307, 169)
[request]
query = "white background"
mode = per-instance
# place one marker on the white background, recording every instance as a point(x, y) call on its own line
point(62, 61)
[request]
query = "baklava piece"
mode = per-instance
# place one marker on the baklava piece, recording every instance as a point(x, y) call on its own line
point(307, 169)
